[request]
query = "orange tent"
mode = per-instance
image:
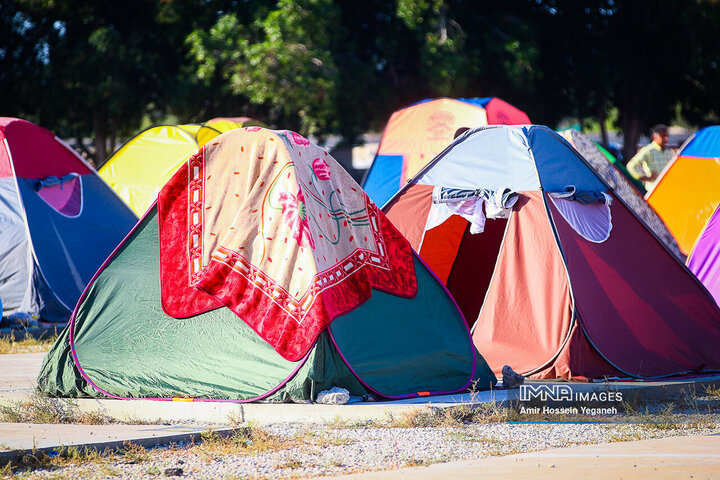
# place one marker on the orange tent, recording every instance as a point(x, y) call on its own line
point(688, 190)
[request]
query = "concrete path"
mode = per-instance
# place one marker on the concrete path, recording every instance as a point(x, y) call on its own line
point(696, 457)
point(18, 374)
point(17, 439)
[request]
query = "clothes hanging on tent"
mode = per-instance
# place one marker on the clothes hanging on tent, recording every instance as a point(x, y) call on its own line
point(474, 205)
point(553, 289)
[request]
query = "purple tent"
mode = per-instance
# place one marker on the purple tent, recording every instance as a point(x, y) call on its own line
point(704, 260)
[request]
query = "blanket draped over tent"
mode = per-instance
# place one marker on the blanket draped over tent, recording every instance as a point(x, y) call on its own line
point(286, 279)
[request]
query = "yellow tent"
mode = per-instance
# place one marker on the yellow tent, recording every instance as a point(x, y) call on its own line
point(139, 169)
point(688, 190)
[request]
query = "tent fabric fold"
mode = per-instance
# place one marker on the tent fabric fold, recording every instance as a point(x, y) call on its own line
point(623, 189)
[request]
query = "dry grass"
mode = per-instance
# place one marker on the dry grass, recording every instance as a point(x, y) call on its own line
point(41, 409)
point(318, 438)
point(713, 391)
point(8, 344)
point(247, 440)
point(291, 464)
point(429, 417)
point(73, 456)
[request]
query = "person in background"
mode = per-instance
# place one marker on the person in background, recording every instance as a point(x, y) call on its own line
point(651, 159)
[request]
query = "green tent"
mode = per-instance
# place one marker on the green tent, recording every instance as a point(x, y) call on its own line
point(619, 165)
point(121, 343)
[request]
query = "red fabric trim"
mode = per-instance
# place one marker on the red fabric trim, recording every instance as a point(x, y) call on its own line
point(500, 112)
point(278, 327)
point(441, 244)
point(178, 298)
point(5, 168)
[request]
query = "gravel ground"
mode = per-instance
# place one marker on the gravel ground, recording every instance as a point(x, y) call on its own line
point(303, 451)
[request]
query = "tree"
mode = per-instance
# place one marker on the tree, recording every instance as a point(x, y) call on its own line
point(102, 66)
point(281, 61)
point(23, 59)
point(647, 42)
point(700, 100)
point(633, 55)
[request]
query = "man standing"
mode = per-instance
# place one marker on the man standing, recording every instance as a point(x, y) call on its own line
point(651, 159)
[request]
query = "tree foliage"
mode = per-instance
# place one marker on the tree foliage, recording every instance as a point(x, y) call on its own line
point(282, 61)
point(99, 68)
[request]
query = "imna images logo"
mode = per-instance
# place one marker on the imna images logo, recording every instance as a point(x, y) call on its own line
point(563, 399)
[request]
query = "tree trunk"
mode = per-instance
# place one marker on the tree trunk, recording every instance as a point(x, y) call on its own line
point(602, 118)
point(631, 127)
point(443, 25)
point(100, 138)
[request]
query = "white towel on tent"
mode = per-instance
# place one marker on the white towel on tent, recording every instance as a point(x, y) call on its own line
point(473, 205)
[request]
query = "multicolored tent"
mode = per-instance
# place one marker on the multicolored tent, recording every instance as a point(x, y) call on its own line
point(263, 272)
point(415, 134)
point(58, 222)
point(704, 260)
point(556, 275)
point(138, 170)
point(688, 190)
point(621, 187)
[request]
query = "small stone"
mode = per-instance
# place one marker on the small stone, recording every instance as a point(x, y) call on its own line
point(173, 472)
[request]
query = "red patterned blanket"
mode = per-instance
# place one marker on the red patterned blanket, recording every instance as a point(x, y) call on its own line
point(271, 226)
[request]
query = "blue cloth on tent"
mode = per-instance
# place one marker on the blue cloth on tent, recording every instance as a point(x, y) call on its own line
point(504, 197)
point(54, 181)
point(586, 197)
